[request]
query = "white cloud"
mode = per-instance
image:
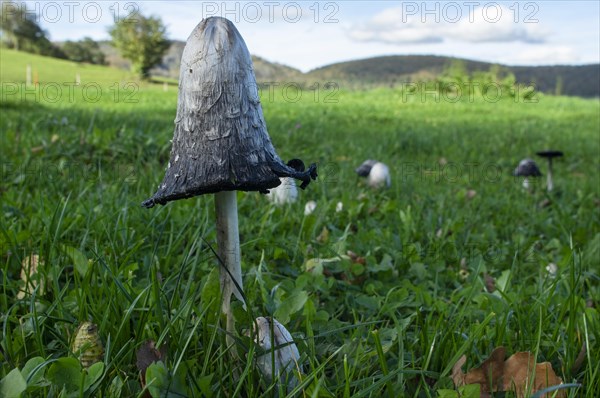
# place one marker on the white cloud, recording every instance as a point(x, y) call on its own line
point(392, 26)
point(481, 24)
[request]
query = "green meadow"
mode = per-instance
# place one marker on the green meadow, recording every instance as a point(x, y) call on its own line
point(382, 297)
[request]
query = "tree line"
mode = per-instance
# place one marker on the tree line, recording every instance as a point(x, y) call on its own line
point(140, 39)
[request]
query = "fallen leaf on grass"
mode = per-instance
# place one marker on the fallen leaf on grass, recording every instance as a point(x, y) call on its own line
point(590, 303)
point(579, 360)
point(146, 355)
point(355, 258)
point(490, 283)
point(30, 275)
point(515, 374)
point(488, 375)
point(373, 210)
point(471, 193)
point(323, 236)
point(518, 371)
point(544, 203)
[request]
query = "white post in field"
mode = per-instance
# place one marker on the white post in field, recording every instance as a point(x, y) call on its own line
point(28, 75)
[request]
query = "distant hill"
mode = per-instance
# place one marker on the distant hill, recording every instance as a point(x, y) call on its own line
point(575, 80)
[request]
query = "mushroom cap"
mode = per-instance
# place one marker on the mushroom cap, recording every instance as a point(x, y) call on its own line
point(272, 335)
point(365, 168)
point(549, 154)
point(379, 176)
point(220, 141)
point(87, 344)
point(527, 168)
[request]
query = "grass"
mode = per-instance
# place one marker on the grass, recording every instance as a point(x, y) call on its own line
point(74, 172)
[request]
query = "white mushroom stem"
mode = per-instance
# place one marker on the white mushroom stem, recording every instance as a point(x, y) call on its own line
point(228, 240)
point(549, 182)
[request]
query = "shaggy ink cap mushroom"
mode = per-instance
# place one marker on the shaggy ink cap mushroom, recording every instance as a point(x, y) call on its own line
point(221, 144)
point(220, 141)
point(527, 168)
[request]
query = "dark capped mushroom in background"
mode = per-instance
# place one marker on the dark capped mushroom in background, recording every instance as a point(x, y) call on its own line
point(527, 168)
point(550, 154)
point(220, 141)
point(377, 173)
point(365, 168)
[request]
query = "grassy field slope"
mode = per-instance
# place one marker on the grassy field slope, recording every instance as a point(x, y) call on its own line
point(13, 66)
point(382, 296)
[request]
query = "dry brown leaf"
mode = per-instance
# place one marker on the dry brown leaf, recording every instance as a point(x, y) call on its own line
point(518, 371)
point(544, 203)
point(30, 275)
point(590, 303)
point(355, 258)
point(458, 377)
point(579, 360)
point(515, 374)
point(323, 236)
point(490, 283)
point(471, 193)
point(373, 210)
point(146, 355)
point(489, 374)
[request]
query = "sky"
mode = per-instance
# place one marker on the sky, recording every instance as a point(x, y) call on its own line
point(310, 34)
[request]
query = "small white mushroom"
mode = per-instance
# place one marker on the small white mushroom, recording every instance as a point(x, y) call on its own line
point(379, 176)
point(552, 269)
point(285, 193)
point(310, 207)
point(279, 345)
point(339, 207)
point(377, 173)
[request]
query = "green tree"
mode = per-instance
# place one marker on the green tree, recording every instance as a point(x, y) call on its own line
point(11, 15)
point(21, 31)
point(142, 40)
point(86, 50)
